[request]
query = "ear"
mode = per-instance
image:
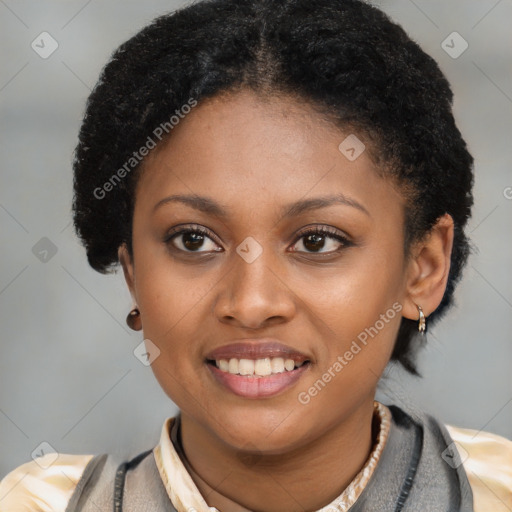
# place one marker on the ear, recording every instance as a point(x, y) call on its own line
point(128, 269)
point(428, 269)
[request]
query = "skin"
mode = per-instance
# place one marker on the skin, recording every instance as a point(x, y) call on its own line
point(253, 157)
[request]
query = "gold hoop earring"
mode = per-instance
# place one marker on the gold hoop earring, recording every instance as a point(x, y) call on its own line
point(422, 322)
point(133, 319)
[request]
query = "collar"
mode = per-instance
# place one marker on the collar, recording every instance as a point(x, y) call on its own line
point(182, 483)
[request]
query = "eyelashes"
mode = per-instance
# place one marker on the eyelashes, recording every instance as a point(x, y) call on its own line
point(324, 232)
point(199, 234)
point(195, 236)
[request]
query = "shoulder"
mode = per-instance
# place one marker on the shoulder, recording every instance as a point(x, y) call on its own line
point(42, 485)
point(487, 460)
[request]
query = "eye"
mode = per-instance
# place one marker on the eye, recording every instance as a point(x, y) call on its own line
point(316, 239)
point(190, 239)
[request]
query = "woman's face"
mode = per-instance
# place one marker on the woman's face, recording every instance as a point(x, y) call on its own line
point(257, 177)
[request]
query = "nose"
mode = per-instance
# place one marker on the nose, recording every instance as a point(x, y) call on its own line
point(255, 294)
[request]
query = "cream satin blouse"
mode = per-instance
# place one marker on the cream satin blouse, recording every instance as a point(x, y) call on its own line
point(487, 459)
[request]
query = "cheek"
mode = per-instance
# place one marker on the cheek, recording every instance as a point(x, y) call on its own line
point(353, 296)
point(353, 360)
point(171, 302)
point(169, 294)
point(358, 310)
point(170, 316)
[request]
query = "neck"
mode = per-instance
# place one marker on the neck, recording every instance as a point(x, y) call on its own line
point(328, 464)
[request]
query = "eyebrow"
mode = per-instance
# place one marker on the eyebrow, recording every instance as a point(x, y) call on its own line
point(209, 206)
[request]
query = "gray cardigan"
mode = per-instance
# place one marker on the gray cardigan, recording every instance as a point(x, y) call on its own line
point(411, 476)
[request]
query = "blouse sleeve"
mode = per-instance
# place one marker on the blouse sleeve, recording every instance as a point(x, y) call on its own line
point(487, 460)
point(45, 485)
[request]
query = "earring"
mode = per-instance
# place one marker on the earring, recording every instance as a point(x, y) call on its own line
point(422, 323)
point(133, 319)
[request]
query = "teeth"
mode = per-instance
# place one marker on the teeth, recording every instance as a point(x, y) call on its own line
point(289, 365)
point(262, 367)
point(258, 367)
point(246, 367)
point(277, 365)
point(233, 366)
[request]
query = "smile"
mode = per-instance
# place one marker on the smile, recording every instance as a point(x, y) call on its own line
point(244, 378)
point(257, 367)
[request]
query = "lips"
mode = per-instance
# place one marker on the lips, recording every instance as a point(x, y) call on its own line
point(232, 366)
point(256, 349)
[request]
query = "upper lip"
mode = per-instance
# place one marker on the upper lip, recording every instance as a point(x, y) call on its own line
point(256, 349)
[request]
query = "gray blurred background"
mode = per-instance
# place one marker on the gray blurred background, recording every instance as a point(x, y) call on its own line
point(68, 375)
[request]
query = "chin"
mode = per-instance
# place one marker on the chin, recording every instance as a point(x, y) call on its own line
point(250, 429)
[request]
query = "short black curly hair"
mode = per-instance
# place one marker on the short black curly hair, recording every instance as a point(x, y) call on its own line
point(344, 57)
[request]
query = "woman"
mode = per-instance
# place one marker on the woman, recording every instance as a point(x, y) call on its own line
point(286, 191)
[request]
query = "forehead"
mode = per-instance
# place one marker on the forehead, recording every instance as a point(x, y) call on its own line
point(249, 151)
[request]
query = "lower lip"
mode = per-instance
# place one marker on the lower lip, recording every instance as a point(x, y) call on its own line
point(258, 387)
